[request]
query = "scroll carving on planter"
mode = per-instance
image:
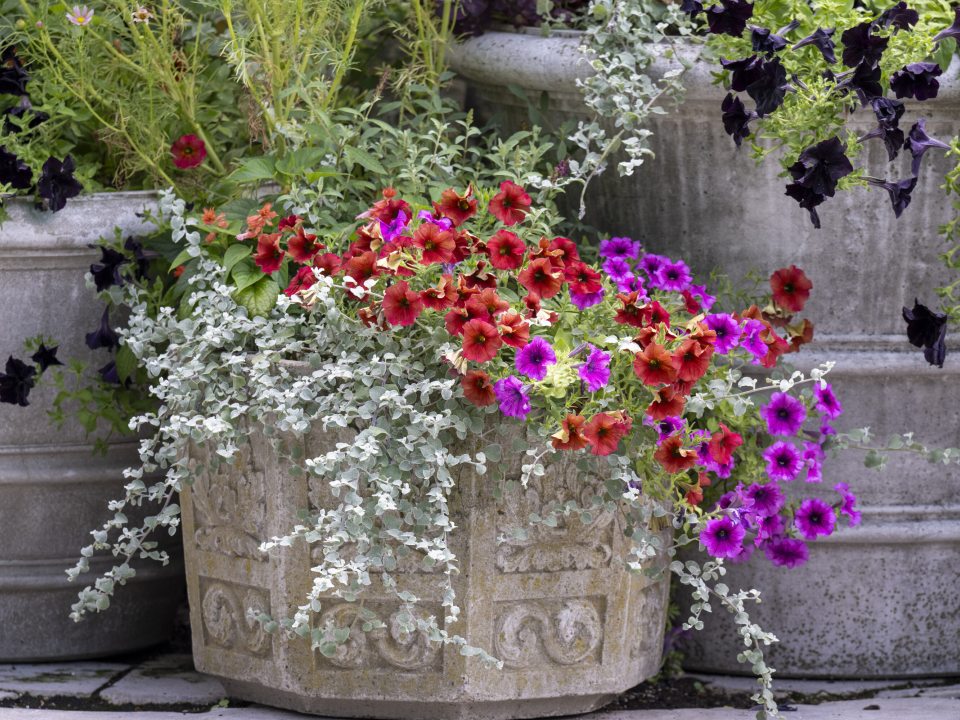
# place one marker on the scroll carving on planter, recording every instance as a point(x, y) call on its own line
point(227, 499)
point(572, 545)
point(389, 647)
point(226, 621)
point(537, 632)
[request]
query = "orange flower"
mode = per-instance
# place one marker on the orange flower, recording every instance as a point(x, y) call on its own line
point(692, 360)
point(655, 366)
point(674, 457)
point(514, 329)
point(478, 389)
point(667, 402)
point(570, 436)
point(605, 430)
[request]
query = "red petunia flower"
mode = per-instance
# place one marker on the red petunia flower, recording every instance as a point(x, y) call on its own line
point(463, 242)
point(290, 221)
point(546, 249)
point(776, 346)
point(480, 278)
point(506, 250)
point(630, 313)
point(455, 207)
point(302, 246)
point(486, 304)
point(570, 436)
point(401, 305)
point(692, 360)
point(478, 389)
point(541, 278)
point(667, 402)
point(674, 457)
point(437, 244)
point(514, 329)
point(655, 365)
point(362, 267)
point(692, 305)
point(694, 496)
point(389, 208)
point(328, 264)
point(269, 255)
point(791, 288)
point(511, 204)
point(800, 335)
point(655, 314)
point(301, 281)
point(723, 443)
point(604, 432)
point(564, 250)
point(481, 341)
point(441, 297)
point(456, 319)
point(582, 279)
point(188, 151)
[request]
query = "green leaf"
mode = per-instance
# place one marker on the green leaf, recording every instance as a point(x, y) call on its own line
point(260, 297)
point(126, 363)
point(234, 254)
point(180, 259)
point(364, 159)
point(245, 274)
point(255, 169)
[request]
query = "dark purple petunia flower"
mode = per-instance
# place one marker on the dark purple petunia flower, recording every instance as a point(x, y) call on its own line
point(900, 17)
point(899, 192)
point(46, 357)
point(57, 183)
point(860, 45)
point(766, 41)
point(22, 116)
point(918, 142)
point(917, 80)
point(109, 373)
point(141, 256)
point(106, 273)
point(472, 16)
point(769, 90)
point(823, 41)
point(16, 382)
point(764, 500)
point(808, 200)
point(14, 171)
point(691, 7)
point(952, 31)
point(103, 336)
point(736, 118)
point(729, 17)
point(820, 166)
point(743, 73)
point(888, 114)
point(928, 330)
point(865, 80)
point(13, 78)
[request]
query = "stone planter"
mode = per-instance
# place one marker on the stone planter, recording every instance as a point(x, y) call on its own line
point(877, 600)
point(53, 489)
point(573, 626)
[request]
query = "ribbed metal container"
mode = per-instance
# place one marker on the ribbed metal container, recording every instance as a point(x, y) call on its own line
point(53, 489)
point(874, 601)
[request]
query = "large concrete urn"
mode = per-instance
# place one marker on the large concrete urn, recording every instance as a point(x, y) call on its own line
point(877, 600)
point(573, 626)
point(53, 489)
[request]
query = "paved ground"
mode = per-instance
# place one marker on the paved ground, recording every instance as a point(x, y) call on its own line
point(167, 688)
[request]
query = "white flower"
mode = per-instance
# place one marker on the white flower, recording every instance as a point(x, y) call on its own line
point(142, 15)
point(80, 16)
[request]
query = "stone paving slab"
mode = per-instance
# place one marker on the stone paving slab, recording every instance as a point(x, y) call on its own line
point(75, 679)
point(784, 686)
point(167, 680)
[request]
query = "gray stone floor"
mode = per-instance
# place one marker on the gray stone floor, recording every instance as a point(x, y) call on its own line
point(169, 688)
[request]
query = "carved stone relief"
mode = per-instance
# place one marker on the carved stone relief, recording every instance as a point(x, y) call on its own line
point(226, 622)
point(537, 632)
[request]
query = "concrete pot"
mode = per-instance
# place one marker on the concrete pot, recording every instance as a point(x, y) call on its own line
point(572, 625)
point(878, 600)
point(53, 489)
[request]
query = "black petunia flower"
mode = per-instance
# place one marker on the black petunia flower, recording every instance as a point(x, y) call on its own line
point(103, 336)
point(14, 171)
point(860, 45)
point(743, 72)
point(57, 183)
point(820, 166)
point(808, 199)
point(141, 256)
point(888, 114)
point(472, 16)
point(918, 142)
point(928, 330)
point(729, 17)
point(13, 78)
point(16, 382)
point(766, 41)
point(952, 31)
point(899, 16)
point(770, 88)
point(899, 192)
point(691, 7)
point(865, 80)
point(736, 119)
point(917, 80)
point(823, 40)
point(23, 111)
point(106, 273)
point(109, 373)
point(46, 357)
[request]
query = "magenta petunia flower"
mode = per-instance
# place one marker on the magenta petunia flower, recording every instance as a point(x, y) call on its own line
point(665, 428)
point(813, 459)
point(814, 517)
point(722, 537)
point(727, 330)
point(672, 276)
point(512, 397)
point(633, 283)
point(619, 247)
point(617, 268)
point(742, 556)
point(849, 501)
point(751, 339)
point(706, 299)
point(784, 414)
point(827, 402)
point(535, 357)
point(393, 229)
point(652, 263)
point(783, 461)
point(763, 500)
point(768, 527)
point(595, 372)
point(584, 300)
point(787, 552)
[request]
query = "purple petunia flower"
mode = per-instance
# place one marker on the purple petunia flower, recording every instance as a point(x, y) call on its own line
point(813, 459)
point(619, 247)
point(952, 31)
point(849, 501)
point(918, 142)
point(395, 228)
point(442, 223)
point(783, 461)
point(784, 414)
point(814, 517)
point(585, 300)
point(727, 330)
point(751, 341)
point(595, 372)
point(535, 357)
point(827, 402)
point(787, 552)
point(633, 283)
point(706, 299)
point(673, 276)
point(741, 556)
point(917, 80)
point(771, 526)
point(764, 500)
point(665, 428)
point(617, 268)
point(651, 263)
point(722, 537)
point(512, 397)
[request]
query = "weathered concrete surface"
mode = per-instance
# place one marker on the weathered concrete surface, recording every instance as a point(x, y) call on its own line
point(79, 680)
point(53, 490)
point(167, 680)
